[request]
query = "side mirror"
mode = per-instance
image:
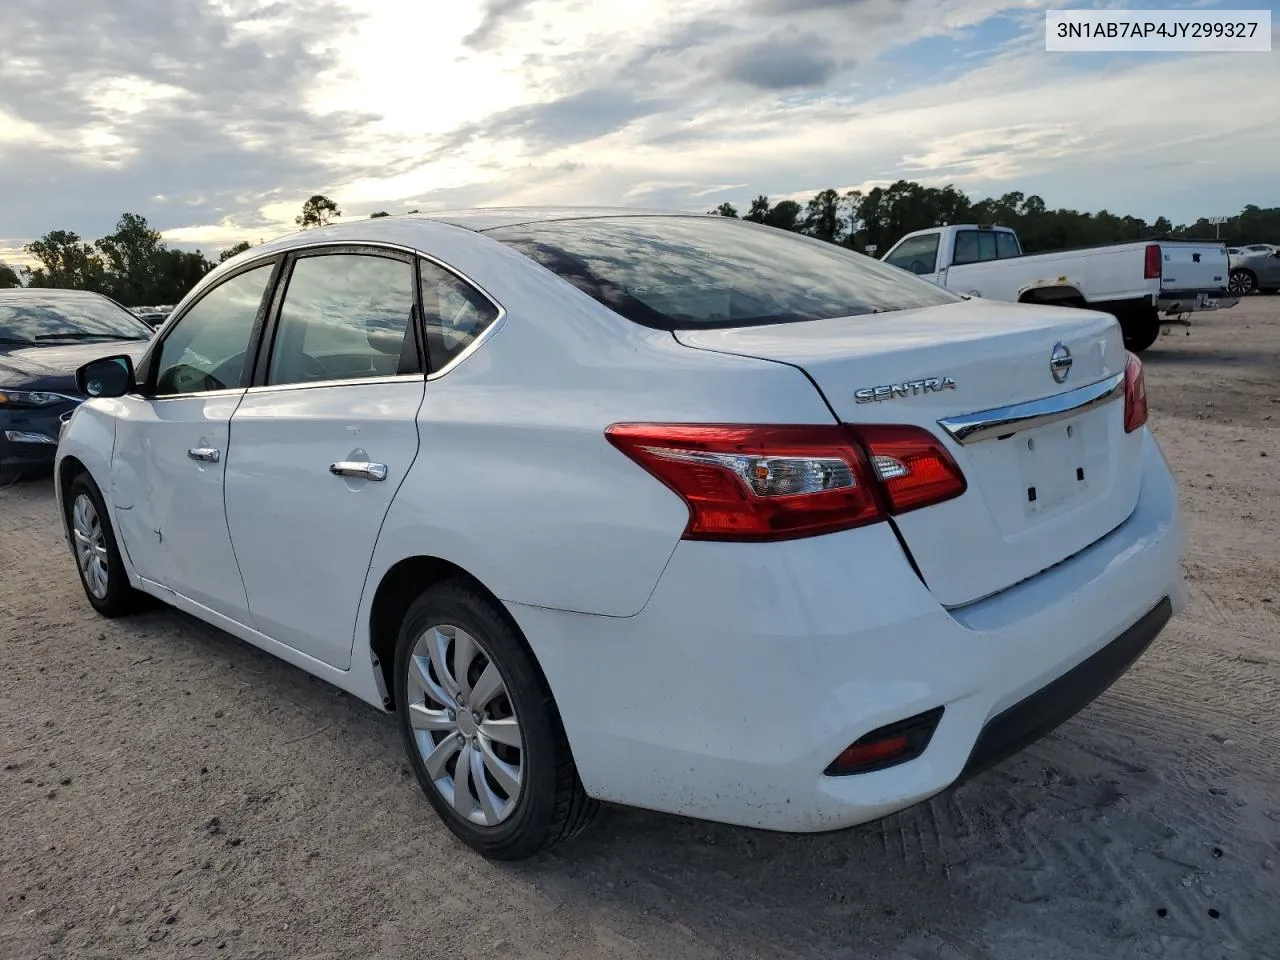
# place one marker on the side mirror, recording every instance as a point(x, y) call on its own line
point(108, 377)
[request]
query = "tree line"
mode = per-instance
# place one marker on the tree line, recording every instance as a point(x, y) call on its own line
point(877, 219)
point(134, 266)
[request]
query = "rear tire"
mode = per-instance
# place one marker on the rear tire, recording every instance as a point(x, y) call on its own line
point(511, 801)
point(97, 556)
point(1241, 283)
point(1140, 328)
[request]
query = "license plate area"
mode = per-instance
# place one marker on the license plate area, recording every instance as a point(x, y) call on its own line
point(1053, 464)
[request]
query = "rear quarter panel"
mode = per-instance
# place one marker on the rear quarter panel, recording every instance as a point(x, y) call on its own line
point(515, 481)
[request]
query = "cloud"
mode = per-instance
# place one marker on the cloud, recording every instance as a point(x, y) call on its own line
point(577, 118)
point(235, 110)
point(494, 17)
point(790, 64)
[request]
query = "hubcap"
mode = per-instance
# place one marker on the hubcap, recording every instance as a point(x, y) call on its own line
point(91, 546)
point(474, 755)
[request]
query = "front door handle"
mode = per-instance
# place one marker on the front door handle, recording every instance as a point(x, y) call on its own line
point(360, 469)
point(205, 454)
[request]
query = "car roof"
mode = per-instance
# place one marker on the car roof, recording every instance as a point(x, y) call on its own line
point(417, 230)
point(491, 218)
point(49, 293)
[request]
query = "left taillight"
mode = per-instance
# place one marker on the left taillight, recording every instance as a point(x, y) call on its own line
point(1135, 394)
point(757, 482)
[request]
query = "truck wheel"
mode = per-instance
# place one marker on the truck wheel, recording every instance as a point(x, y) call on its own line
point(1140, 328)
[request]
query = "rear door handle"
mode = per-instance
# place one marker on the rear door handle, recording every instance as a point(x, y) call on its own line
point(205, 454)
point(360, 469)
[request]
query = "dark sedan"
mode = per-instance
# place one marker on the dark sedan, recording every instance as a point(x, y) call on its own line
point(44, 336)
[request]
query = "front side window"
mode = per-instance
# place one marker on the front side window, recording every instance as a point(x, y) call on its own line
point(680, 273)
point(345, 316)
point(455, 314)
point(206, 348)
point(919, 254)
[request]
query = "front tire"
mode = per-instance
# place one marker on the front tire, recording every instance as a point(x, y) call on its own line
point(481, 728)
point(93, 544)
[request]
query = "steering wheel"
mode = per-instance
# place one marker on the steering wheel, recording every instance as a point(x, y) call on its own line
point(314, 369)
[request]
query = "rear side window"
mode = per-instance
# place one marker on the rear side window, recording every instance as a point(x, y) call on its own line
point(454, 312)
point(681, 273)
point(975, 246)
point(919, 254)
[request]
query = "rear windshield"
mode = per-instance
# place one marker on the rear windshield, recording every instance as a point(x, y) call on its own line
point(681, 273)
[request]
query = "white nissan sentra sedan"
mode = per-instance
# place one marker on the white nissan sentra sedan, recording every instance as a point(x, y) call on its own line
point(663, 510)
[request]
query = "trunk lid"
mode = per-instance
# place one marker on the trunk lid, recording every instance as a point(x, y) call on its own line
point(1193, 266)
point(1039, 491)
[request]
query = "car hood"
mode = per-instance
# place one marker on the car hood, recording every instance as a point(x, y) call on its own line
point(53, 367)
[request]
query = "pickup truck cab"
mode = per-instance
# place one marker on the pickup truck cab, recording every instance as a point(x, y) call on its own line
point(1137, 283)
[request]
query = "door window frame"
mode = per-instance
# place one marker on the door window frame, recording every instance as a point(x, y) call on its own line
point(413, 357)
point(148, 368)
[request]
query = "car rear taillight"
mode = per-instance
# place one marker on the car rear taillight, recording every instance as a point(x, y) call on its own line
point(1151, 270)
point(913, 468)
point(1135, 395)
point(776, 482)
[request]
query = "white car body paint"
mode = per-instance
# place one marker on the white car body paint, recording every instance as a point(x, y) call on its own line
point(710, 679)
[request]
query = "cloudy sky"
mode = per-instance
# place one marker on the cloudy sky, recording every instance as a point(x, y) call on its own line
point(216, 118)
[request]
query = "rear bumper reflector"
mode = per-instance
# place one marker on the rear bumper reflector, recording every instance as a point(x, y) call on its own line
point(887, 746)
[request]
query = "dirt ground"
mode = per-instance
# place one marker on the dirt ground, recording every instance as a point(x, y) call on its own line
point(167, 791)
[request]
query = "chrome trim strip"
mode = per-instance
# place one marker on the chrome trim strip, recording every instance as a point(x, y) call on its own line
point(1001, 421)
point(195, 394)
point(350, 382)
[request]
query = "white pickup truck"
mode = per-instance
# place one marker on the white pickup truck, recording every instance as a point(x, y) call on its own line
point(1138, 283)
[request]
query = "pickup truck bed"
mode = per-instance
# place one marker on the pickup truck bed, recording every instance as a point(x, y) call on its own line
point(1139, 282)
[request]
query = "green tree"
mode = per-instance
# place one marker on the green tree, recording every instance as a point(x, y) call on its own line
point(725, 210)
point(233, 251)
point(317, 211)
point(177, 271)
point(379, 215)
point(66, 262)
point(759, 212)
point(822, 217)
point(785, 214)
point(9, 277)
point(133, 259)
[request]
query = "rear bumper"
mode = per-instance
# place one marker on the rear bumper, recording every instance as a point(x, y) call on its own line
point(1032, 717)
point(753, 666)
point(1194, 301)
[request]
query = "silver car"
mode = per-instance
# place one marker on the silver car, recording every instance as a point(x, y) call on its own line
point(1254, 270)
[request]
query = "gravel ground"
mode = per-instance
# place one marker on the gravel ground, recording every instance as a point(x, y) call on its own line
point(167, 791)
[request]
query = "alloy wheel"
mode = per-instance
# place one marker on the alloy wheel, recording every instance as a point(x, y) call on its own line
point(465, 725)
point(1240, 283)
point(91, 546)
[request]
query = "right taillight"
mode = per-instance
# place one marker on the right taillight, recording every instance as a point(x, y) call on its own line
point(1151, 269)
point(779, 482)
point(1135, 394)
